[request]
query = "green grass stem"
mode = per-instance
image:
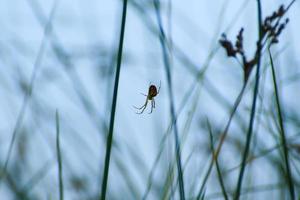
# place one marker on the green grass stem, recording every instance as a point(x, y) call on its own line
point(59, 158)
point(253, 108)
point(282, 131)
point(162, 38)
point(114, 104)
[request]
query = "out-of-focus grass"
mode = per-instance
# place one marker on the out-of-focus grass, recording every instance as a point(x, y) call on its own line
point(282, 132)
point(29, 90)
point(217, 162)
point(162, 182)
point(59, 158)
point(165, 52)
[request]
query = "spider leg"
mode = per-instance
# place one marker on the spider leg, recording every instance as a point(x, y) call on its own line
point(143, 107)
point(159, 87)
point(151, 107)
point(145, 104)
point(153, 102)
point(144, 94)
point(141, 111)
point(139, 108)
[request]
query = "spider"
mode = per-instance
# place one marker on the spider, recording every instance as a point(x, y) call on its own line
point(152, 92)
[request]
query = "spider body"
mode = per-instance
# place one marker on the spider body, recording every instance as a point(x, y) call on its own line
point(152, 92)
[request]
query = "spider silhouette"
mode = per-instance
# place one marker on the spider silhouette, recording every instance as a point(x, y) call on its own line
point(152, 92)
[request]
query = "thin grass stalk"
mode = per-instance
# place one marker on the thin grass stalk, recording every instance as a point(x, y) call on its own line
point(255, 93)
point(155, 163)
point(199, 79)
point(14, 187)
point(185, 164)
point(114, 103)
point(198, 82)
point(225, 132)
point(127, 177)
point(185, 131)
point(59, 160)
point(169, 193)
point(217, 162)
point(64, 58)
point(166, 134)
point(250, 190)
point(170, 45)
point(282, 131)
point(163, 142)
point(222, 139)
point(262, 153)
point(36, 178)
point(28, 92)
point(162, 38)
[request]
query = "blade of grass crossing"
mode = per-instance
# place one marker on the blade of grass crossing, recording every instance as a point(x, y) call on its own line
point(282, 131)
point(29, 91)
point(222, 139)
point(217, 162)
point(162, 38)
point(114, 103)
point(59, 160)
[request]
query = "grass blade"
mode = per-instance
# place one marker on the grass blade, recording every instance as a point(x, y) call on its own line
point(114, 103)
point(59, 161)
point(162, 38)
point(217, 162)
point(253, 108)
point(282, 131)
point(222, 139)
point(28, 92)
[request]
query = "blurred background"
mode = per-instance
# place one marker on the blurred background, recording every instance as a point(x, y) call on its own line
point(61, 55)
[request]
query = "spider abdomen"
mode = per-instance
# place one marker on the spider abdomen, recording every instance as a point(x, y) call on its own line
point(152, 91)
